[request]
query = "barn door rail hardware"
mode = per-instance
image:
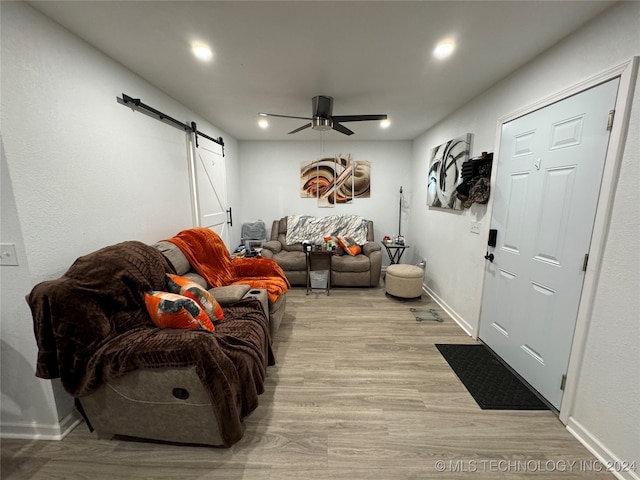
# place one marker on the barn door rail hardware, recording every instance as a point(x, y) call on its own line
point(218, 140)
point(137, 104)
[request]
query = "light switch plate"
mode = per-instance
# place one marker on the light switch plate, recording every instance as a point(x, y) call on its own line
point(8, 254)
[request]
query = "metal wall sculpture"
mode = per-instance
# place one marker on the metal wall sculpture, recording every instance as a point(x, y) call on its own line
point(445, 171)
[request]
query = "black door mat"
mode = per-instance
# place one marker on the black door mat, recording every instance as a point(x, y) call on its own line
point(492, 385)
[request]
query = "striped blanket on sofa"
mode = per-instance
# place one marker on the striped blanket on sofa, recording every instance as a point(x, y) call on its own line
point(314, 229)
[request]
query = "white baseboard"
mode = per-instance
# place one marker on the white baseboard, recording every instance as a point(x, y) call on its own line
point(450, 311)
point(34, 431)
point(602, 453)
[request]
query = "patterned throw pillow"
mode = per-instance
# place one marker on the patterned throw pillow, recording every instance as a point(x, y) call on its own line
point(349, 245)
point(189, 288)
point(336, 243)
point(169, 310)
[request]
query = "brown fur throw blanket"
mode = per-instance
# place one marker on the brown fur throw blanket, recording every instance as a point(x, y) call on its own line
point(91, 326)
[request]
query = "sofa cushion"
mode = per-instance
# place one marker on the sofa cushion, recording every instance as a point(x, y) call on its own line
point(196, 278)
point(347, 263)
point(184, 286)
point(294, 247)
point(175, 256)
point(170, 310)
point(282, 226)
point(350, 279)
point(291, 260)
point(229, 293)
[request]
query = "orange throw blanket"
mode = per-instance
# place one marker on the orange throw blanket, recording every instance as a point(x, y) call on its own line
point(209, 256)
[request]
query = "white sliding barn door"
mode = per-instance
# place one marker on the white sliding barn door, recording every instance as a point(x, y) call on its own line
point(208, 186)
point(549, 172)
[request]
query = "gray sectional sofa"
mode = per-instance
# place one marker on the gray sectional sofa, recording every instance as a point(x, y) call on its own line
point(362, 270)
point(129, 377)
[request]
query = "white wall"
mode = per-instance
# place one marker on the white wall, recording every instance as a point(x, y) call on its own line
point(82, 172)
point(23, 395)
point(606, 402)
point(272, 170)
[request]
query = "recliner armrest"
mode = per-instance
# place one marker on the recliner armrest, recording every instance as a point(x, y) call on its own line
point(273, 245)
point(229, 294)
point(370, 247)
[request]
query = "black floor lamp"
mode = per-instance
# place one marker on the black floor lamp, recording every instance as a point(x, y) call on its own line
point(399, 239)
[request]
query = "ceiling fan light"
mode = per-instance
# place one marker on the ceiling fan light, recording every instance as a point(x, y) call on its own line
point(444, 49)
point(202, 52)
point(385, 123)
point(322, 124)
point(263, 123)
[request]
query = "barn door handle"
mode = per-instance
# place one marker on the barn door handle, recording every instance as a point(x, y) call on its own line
point(229, 217)
point(489, 256)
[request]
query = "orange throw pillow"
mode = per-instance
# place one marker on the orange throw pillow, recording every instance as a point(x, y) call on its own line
point(189, 288)
point(335, 241)
point(169, 310)
point(349, 246)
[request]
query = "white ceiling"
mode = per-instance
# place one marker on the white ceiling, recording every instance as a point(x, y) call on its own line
point(274, 56)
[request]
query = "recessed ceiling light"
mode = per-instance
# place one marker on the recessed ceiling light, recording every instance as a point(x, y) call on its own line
point(385, 123)
point(444, 49)
point(202, 52)
point(263, 123)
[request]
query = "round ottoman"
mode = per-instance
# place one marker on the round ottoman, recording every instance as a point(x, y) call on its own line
point(404, 281)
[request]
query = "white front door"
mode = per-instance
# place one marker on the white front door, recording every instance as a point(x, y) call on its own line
point(209, 185)
point(549, 170)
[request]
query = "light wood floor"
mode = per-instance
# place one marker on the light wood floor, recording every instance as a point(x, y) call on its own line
point(359, 392)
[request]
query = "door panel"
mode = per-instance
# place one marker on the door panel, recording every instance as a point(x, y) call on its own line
point(516, 207)
point(210, 182)
point(555, 202)
point(548, 177)
point(567, 133)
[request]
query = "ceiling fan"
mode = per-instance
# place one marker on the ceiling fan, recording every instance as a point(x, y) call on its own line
point(322, 118)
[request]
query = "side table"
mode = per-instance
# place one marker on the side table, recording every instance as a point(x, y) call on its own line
point(319, 260)
point(395, 252)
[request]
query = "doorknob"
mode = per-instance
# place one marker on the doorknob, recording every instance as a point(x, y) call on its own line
point(489, 256)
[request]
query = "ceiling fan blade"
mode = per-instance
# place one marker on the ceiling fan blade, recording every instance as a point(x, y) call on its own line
point(341, 128)
point(262, 114)
point(300, 128)
point(358, 118)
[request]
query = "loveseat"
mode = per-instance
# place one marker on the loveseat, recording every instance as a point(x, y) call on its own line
point(361, 270)
point(130, 377)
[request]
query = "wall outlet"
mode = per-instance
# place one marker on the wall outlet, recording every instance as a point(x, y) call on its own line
point(475, 227)
point(8, 254)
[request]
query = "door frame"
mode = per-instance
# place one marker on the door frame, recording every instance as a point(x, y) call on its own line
point(627, 72)
point(193, 180)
